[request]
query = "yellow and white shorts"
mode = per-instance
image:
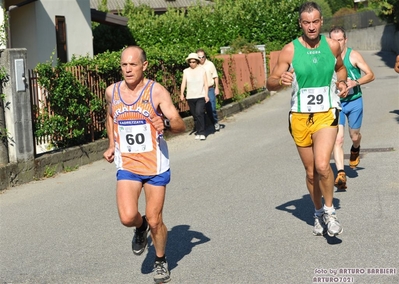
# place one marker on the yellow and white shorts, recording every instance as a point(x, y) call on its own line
point(303, 125)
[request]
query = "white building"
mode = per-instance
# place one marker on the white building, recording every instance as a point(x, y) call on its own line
point(52, 28)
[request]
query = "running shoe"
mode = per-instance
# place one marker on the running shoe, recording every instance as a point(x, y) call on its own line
point(217, 127)
point(161, 272)
point(202, 137)
point(354, 159)
point(340, 181)
point(197, 137)
point(319, 228)
point(139, 242)
point(333, 226)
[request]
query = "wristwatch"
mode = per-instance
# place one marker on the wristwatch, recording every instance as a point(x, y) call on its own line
point(357, 83)
point(166, 122)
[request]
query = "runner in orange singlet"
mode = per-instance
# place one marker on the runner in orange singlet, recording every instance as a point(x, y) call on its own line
point(138, 112)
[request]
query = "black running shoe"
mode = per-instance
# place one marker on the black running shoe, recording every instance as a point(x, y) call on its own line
point(139, 242)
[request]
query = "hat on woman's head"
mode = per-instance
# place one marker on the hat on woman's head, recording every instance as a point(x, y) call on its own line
point(192, 56)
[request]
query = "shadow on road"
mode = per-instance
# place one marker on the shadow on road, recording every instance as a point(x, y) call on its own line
point(350, 173)
point(388, 58)
point(395, 111)
point(303, 208)
point(181, 241)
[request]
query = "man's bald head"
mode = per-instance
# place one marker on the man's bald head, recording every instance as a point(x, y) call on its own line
point(135, 48)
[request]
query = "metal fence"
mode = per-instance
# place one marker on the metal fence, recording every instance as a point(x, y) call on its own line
point(40, 103)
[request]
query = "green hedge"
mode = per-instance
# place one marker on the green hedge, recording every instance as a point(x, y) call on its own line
point(167, 39)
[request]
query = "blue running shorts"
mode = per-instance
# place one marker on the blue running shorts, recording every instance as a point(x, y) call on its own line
point(353, 110)
point(157, 180)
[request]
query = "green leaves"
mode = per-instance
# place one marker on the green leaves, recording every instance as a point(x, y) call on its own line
point(215, 25)
point(388, 10)
point(67, 109)
point(167, 39)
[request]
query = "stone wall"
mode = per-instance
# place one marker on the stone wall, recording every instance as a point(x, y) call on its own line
point(384, 38)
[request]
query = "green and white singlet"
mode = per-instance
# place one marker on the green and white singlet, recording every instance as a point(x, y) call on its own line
point(354, 73)
point(313, 88)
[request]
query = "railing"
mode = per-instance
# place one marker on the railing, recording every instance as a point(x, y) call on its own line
point(38, 97)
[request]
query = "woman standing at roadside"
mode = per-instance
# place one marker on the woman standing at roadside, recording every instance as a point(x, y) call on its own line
point(194, 78)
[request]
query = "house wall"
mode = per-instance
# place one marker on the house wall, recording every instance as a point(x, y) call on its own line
point(78, 24)
point(23, 31)
point(33, 28)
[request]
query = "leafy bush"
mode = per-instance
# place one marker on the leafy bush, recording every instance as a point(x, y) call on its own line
point(72, 106)
point(388, 10)
point(111, 38)
point(344, 12)
point(325, 8)
point(216, 25)
point(4, 78)
point(167, 39)
point(335, 5)
point(240, 45)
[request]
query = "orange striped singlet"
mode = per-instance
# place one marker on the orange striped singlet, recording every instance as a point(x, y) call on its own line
point(139, 148)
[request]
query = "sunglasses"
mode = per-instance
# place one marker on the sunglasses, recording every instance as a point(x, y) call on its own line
point(192, 61)
point(200, 57)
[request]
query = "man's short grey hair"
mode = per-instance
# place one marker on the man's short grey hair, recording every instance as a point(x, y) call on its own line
point(336, 30)
point(309, 7)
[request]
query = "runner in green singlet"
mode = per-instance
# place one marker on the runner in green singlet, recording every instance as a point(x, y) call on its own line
point(312, 65)
point(352, 105)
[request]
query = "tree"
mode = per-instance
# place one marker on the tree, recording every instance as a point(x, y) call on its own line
point(388, 10)
point(110, 38)
point(216, 25)
point(325, 8)
point(335, 5)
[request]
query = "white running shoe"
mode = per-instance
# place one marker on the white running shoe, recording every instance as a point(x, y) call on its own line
point(333, 226)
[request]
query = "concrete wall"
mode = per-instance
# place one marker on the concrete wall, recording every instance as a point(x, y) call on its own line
point(14, 174)
point(17, 106)
point(384, 38)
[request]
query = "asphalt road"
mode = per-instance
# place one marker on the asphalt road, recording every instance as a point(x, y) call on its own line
point(237, 209)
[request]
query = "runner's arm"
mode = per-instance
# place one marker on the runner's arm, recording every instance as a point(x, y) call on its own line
point(397, 64)
point(109, 124)
point(280, 75)
point(340, 68)
point(164, 101)
point(359, 62)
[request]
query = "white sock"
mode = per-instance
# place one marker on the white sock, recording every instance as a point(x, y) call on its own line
point(329, 210)
point(319, 212)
